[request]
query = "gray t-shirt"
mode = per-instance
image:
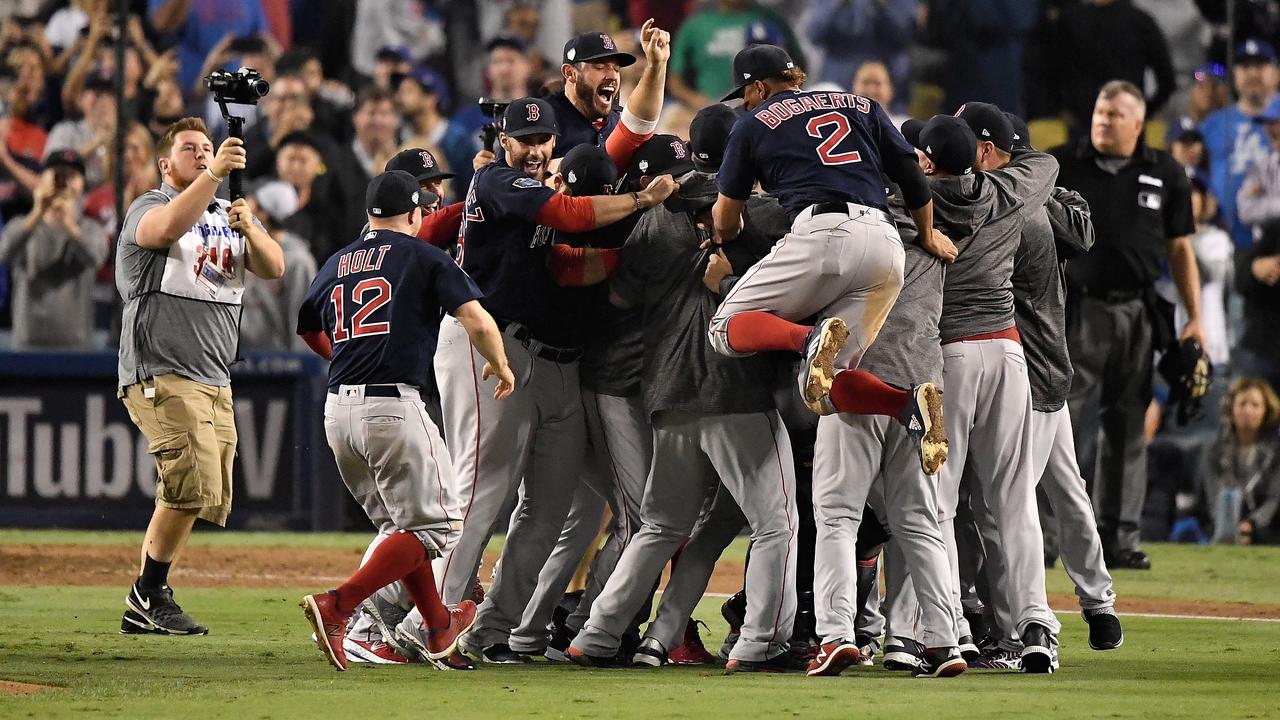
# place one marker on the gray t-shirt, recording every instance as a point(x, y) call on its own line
point(182, 303)
point(661, 272)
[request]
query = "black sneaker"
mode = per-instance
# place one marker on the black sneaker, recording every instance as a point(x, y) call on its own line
point(558, 647)
point(902, 654)
point(649, 654)
point(456, 661)
point(159, 609)
point(941, 662)
point(977, 625)
point(1104, 629)
point(502, 654)
point(1039, 650)
point(1130, 560)
point(781, 663)
point(969, 649)
point(134, 624)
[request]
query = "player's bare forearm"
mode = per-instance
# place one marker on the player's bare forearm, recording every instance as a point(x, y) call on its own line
point(726, 217)
point(264, 258)
point(609, 209)
point(645, 101)
point(161, 226)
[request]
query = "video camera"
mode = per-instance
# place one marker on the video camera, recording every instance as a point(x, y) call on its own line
point(489, 132)
point(242, 87)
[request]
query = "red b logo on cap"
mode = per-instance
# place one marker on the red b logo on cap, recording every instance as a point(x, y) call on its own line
point(534, 112)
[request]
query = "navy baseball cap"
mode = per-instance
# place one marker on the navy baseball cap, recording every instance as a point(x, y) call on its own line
point(757, 62)
point(910, 129)
point(65, 158)
point(1184, 129)
point(588, 170)
point(529, 116)
point(1021, 133)
point(419, 163)
point(949, 144)
point(395, 193)
point(661, 155)
point(1255, 50)
point(709, 134)
point(592, 46)
point(988, 124)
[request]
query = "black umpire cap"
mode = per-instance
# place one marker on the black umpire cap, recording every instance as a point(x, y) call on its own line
point(709, 134)
point(946, 140)
point(529, 116)
point(988, 124)
point(757, 62)
point(419, 163)
point(588, 170)
point(395, 193)
point(592, 46)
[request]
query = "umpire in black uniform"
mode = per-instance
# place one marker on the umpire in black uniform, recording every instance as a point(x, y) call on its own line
point(1141, 205)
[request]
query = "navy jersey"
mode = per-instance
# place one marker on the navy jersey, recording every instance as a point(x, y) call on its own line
point(575, 129)
point(380, 300)
point(505, 251)
point(812, 147)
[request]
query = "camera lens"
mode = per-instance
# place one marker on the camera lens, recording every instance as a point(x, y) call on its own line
point(259, 87)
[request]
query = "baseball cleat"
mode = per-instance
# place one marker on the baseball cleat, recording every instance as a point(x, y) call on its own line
point(649, 654)
point(502, 654)
point(971, 650)
point(1039, 650)
point(443, 642)
point(868, 647)
point(824, 343)
point(329, 627)
point(160, 611)
point(941, 662)
point(1104, 629)
point(833, 657)
point(456, 661)
point(997, 659)
point(783, 662)
point(558, 647)
point(577, 657)
point(691, 651)
point(925, 424)
point(374, 652)
point(734, 612)
point(387, 619)
point(903, 654)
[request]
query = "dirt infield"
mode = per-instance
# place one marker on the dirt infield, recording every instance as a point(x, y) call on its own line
point(321, 568)
point(9, 687)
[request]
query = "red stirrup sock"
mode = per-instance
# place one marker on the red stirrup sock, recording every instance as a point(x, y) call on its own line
point(395, 557)
point(861, 393)
point(421, 584)
point(759, 331)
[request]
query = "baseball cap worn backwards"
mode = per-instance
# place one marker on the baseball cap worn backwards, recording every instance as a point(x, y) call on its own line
point(757, 62)
point(419, 163)
point(395, 193)
point(709, 134)
point(592, 46)
point(529, 116)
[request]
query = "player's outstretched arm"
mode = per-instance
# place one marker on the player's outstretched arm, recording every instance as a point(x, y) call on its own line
point(486, 337)
point(726, 217)
point(579, 214)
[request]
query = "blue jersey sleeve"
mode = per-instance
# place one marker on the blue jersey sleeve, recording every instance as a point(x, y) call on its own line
point(738, 172)
point(451, 285)
point(508, 192)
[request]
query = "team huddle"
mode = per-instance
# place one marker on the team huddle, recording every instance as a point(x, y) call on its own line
point(752, 329)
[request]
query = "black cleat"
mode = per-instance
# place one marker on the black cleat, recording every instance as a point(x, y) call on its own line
point(784, 662)
point(502, 654)
point(902, 654)
point(1039, 650)
point(163, 615)
point(1129, 560)
point(1105, 632)
point(941, 662)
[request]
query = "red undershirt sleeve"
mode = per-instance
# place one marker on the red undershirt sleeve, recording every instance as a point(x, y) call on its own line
point(568, 265)
point(319, 343)
point(567, 214)
point(440, 228)
point(622, 144)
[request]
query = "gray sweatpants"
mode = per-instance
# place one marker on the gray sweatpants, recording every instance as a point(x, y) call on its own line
point(535, 440)
point(615, 472)
point(751, 453)
point(857, 448)
point(987, 406)
point(1054, 462)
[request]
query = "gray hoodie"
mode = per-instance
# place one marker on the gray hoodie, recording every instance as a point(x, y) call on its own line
point(1055, 233)
point(984, 214)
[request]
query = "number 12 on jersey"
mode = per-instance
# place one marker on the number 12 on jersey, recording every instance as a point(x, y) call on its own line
point(366, 297)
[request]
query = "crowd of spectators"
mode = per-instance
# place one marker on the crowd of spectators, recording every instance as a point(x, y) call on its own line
point(355, 81)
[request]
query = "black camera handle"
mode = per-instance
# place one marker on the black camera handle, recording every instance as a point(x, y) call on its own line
point(235, 129)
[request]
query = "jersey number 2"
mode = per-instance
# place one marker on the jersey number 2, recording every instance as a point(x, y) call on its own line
point(830, 141)
point(381, 290)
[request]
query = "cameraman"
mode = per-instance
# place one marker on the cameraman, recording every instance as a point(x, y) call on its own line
point(54, 251)
point(180, 268)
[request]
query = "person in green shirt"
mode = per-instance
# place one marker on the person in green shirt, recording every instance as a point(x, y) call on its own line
point(701, 66)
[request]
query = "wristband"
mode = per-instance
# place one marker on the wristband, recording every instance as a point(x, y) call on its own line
point(636, 196)
point(213, 177)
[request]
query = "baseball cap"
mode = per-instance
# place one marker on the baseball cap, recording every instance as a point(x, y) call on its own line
point(505, 41)
point(708, 135)
point(1254, 50)
point(757, 62)
point(393, 53)
point(395, 193)
point(529, 116)
point(419, 163)
point(661, 155)
point(988, 124)
point(277, 199)
point(590, 46)
point(1021, 133)
point(948, 142)
point(65, 158)
point(1184, 129)
point(588, 170)
point(97, 82)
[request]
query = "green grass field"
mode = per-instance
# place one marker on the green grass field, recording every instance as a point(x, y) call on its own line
point(259, 662)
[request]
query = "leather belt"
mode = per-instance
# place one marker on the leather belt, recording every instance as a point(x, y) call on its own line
point(387, 391)
point(843, 208)
point(536, 347)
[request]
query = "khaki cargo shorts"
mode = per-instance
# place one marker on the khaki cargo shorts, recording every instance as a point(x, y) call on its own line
point(191, 432)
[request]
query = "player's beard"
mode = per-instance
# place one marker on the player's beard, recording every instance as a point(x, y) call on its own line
point(590, 97)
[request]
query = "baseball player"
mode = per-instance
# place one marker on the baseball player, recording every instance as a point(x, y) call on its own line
point(539, 436)
point(373, 311)
point(988, 400)
point(824, 156)
point(712, 415)
point(862, 449)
